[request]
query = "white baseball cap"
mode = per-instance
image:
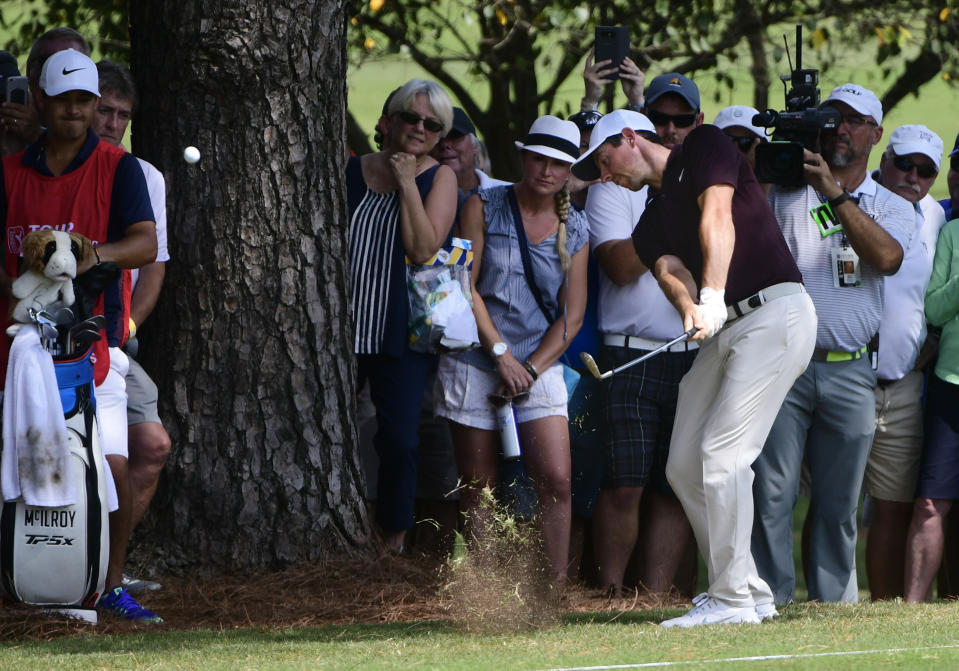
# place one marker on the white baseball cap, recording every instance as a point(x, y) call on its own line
point(69, 70)
point(551, 136)
point(912, 139)
point(609, 126)
point(742, 116)
point(860, 99)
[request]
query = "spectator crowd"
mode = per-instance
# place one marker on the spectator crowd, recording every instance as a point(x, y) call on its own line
point(818, 355)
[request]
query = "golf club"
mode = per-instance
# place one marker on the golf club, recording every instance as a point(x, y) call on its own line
point(81, 340)
point(591, 366)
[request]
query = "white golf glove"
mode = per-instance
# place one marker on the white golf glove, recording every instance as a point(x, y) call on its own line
point(712, 308)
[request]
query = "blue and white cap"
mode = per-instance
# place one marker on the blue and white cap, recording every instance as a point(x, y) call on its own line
point(916, 139)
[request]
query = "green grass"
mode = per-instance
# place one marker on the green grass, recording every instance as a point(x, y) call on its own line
point(582, 640)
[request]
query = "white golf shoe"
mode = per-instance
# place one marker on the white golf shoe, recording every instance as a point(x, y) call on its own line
point(766, 611)
point(709, 611)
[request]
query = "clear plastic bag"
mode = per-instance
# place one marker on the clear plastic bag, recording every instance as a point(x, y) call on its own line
point(441, 300)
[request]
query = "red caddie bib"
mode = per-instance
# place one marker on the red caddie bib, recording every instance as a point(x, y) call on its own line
point(76, 202)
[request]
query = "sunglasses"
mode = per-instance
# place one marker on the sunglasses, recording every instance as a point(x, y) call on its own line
point(744, 143)
point(954, 162)
point(906, 164)
point(413, 119)
point(679, 120)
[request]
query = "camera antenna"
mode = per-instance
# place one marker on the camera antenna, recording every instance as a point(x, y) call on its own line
point(798, 46)
point(788, 57)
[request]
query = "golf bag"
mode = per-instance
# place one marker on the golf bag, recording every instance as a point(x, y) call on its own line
point(58, 556)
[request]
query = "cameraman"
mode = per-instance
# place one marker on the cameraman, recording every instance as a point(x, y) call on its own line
point(846, 233)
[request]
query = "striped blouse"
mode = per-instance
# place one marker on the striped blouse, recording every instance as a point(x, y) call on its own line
point(502, 282)
point(377, 263)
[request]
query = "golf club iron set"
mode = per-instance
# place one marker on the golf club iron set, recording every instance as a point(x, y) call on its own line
point(591, 366)
point(61, 334)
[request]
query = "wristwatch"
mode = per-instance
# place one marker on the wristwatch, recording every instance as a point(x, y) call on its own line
point(499, 349)
point(840, 199)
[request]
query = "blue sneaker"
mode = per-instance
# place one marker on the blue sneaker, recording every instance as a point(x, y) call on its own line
point(119, 603)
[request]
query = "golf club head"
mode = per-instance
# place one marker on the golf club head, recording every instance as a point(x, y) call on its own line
point(99, 321)
point(85, 334)
point(81, 340)
point(63, 315)
point(590, 364)
point(47, 331)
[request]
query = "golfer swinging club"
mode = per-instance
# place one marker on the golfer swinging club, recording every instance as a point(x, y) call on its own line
point(710, 234)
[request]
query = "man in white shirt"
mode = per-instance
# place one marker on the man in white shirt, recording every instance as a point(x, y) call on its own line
point(634, 318)
point(908, 167)
point(149, 444)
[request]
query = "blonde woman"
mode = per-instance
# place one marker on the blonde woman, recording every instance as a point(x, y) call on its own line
point(527, 311)
point(401, 204)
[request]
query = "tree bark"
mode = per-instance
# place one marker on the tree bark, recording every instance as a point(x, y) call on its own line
point(251, 342)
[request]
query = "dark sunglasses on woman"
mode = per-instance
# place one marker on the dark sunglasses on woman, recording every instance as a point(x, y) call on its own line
point(413, 119)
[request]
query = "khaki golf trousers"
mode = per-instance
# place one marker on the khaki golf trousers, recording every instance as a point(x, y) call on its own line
point(728, 401)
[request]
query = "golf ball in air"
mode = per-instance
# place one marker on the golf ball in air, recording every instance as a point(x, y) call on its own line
point(191, 154)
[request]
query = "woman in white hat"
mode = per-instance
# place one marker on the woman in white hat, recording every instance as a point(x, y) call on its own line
point(528, 304)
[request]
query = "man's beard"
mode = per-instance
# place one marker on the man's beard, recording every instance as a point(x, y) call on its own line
point(837, 158)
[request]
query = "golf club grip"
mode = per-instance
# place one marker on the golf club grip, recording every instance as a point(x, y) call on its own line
point(649, 355)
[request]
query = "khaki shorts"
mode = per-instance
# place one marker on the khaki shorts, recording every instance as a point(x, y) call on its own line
point(893, 467)
point(141, 396)
point(462, 394)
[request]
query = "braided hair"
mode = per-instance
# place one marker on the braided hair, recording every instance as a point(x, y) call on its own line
point(562, 211)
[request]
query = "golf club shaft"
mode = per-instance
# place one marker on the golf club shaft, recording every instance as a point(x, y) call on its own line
point(675, 341)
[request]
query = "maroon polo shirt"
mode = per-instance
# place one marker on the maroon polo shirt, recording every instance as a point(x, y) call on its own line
point(670, 224)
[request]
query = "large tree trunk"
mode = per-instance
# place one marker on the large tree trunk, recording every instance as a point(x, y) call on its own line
point(251, 343)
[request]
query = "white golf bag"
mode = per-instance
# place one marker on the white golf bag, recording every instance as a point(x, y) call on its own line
point(58, 556)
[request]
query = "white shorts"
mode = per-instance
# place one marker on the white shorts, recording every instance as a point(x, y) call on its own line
point(112, 405)
point(461, 394)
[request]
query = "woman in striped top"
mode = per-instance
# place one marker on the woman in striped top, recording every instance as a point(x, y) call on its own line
point(401, 205)
point(524, 328)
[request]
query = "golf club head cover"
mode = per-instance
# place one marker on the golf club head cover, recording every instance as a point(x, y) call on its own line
point(88, 287)
point(712, 309)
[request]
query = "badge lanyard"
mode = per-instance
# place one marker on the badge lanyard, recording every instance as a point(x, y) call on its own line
point(844, 261)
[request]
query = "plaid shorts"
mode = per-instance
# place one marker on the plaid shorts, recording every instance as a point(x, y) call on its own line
point(640, 408)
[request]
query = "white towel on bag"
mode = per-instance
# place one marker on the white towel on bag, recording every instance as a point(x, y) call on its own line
point(36, 461)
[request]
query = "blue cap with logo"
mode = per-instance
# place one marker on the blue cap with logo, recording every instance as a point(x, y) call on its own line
point(673, 82)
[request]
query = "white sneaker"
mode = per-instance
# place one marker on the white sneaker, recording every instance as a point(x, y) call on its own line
point(710, 611)
point(766, 611)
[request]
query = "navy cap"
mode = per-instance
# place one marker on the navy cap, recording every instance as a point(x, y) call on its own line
point(461, 123)
point(586, 120)
point(673, 82)
point(955, 150)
